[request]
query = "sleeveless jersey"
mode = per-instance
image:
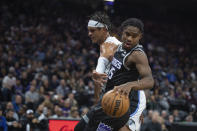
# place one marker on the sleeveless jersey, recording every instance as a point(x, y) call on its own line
point(120, 74)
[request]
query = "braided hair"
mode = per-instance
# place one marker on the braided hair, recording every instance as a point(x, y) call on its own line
point(102, 18)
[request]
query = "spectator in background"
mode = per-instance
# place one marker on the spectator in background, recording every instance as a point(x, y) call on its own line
point(3, 125)
point(47, 88)
point(18, 88)
point(28, 121)
point(154, 124)
point(54, 82)
point(176, 115)
point(9, 106)
point(41, 117)
point(164, 114)
point(148, 118)
point(66, 107)
point(31, 97)
point(17, 103)
point(189, 118)
point(9, 81)
point(169, 122)
point(12, 123)
point(24, 79)
point(74, 113)
point(62, 89)
point(152, 103)
point(57, 112)
point(72, 100)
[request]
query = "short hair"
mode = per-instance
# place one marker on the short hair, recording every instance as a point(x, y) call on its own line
point(133, 22)
point(102, 17)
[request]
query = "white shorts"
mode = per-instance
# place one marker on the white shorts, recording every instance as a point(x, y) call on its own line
point(134, 120)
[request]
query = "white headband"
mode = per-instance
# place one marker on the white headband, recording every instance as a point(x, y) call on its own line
point(93, 23)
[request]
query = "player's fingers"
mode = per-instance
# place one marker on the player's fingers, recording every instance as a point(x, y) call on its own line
point(104, 81)
point(115, 89)
point(121, 92)
point(95, 80)
point(125, 93)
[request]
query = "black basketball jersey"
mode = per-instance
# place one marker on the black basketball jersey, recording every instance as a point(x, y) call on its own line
point(120, 74)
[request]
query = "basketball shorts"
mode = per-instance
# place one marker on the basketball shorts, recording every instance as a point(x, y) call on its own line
point(97, 120)
point(134, 119)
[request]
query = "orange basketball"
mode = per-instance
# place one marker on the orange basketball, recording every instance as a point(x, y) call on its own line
point(115, 105)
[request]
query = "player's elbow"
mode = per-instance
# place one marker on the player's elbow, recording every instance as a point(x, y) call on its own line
point(151, 82)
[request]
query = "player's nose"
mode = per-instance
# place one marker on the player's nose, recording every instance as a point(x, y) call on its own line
point(129, 39)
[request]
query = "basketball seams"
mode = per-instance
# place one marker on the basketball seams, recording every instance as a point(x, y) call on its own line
point(121, 108)
point(112, 105)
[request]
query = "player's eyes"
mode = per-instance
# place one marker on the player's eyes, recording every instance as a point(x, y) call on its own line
point(127, 34)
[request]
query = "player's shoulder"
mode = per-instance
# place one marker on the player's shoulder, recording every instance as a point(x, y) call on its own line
point(137, 56)
point(113, 40)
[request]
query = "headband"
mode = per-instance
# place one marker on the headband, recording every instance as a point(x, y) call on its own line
point(93, 23)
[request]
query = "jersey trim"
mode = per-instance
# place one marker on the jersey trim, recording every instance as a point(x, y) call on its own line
point(137, 105)
point(136, 48)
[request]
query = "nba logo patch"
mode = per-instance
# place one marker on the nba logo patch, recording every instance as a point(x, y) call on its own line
point(103, 127)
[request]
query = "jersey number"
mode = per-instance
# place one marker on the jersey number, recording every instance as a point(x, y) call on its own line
point(111, 72)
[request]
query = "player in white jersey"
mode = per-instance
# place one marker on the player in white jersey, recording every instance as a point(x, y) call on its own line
point(99, 27)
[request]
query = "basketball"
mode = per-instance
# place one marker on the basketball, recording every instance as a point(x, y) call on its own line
point(115, 105)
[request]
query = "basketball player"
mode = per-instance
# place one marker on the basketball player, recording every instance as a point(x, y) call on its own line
point(99, 27)
point(130, 72)
point(128, 65)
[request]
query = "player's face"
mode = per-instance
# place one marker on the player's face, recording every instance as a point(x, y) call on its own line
point(130, 37)
point(96, 34)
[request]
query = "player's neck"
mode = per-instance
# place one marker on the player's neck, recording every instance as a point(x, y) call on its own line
point(104, 38)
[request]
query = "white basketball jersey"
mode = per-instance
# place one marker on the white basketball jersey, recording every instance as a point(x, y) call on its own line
point(114, 40)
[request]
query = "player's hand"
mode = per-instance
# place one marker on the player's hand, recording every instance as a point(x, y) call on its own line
point(122, 90)
point(99, 78)
point(108, 49)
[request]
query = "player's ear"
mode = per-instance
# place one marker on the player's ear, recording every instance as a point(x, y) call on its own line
point(104, 29)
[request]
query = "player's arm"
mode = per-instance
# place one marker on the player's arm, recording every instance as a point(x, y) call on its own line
point(146, 82)
point(98, 84)
point(106, 53)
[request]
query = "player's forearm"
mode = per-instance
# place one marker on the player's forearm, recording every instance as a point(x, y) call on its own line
point(102, 64)
point(97, 91)
point(144, 83)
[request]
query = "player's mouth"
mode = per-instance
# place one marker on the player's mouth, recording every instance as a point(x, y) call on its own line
point(127, 44)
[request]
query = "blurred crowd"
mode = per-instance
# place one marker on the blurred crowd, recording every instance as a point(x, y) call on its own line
point(46, 62)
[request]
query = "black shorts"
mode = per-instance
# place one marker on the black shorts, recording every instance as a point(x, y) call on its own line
point(99, 121)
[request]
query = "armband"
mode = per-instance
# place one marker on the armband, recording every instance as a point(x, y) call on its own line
point(102, 64)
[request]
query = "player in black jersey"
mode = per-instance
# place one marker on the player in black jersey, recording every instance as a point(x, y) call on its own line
point(130, 72)
point(129, 75)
